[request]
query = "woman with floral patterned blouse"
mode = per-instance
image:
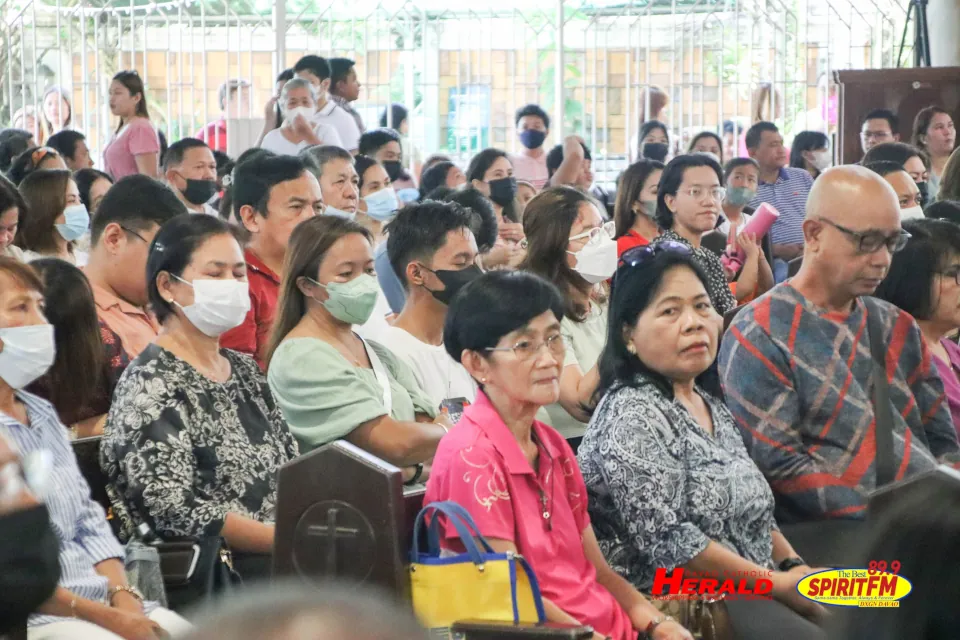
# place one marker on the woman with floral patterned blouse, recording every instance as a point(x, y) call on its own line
point(194, 439)
point(670, 483)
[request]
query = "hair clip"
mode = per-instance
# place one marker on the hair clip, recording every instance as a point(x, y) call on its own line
point(228, 179)
point(158, 247)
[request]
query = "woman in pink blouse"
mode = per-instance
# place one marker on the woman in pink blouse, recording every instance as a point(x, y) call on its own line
point(517, 477)
point(135, 147)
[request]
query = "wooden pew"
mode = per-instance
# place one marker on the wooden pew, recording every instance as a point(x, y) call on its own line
point(344, 513)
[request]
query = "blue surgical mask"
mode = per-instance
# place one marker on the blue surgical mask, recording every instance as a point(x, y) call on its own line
point(76, 222)
point(333, 211)
point(408, 195)
point(382, 205)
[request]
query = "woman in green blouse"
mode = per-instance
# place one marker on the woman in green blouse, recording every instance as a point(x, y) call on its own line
point(328, 381)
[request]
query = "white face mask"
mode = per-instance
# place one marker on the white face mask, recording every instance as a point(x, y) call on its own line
point(333, 211)
point(218, 305)
point(306, 112)
point(28, 352)
point(912, 213)
point(822, 160)
point(597, 262)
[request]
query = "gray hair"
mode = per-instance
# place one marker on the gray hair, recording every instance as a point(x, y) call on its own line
point(294, 611)
point(319, 155)
point(296, 83)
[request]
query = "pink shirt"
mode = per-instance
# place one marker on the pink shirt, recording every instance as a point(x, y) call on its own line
point(136, 138)
point(533, 170)
point(480, 465)
point(949, 376)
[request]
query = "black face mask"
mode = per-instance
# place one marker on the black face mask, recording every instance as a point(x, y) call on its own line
point(655, 151)
point(453, 281)
point(394, 169)
point(199, 191)
point(503, 191)
point(29, 564)
point(922, 186)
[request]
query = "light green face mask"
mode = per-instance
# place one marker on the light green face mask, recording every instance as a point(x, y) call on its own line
point(649, 207)
point(352, 301)
point(740, 196)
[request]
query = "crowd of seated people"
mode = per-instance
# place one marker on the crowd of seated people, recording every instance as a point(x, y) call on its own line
point(549, 356)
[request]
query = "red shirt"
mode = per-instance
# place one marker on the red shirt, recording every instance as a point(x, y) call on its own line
point(251, 336)
point(629, 241)
point(481, 466)
point(215, 135)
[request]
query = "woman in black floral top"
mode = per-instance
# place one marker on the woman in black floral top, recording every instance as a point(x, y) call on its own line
point(669, 481)
point(688, 206)
point(194, 439)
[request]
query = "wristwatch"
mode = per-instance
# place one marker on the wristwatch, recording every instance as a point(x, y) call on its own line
point(124, 587)
point(656, 622)
point(416, 475)
point(791, 563)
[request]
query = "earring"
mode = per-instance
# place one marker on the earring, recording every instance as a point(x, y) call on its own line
point(631, 349)
point(483, 381)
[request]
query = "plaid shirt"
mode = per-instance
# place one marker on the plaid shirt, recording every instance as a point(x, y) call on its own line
point(797, 379)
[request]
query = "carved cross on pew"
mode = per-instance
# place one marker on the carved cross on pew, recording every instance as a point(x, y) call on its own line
point(331, 532)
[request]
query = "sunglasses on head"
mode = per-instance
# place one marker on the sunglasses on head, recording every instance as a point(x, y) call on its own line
point(638, 256)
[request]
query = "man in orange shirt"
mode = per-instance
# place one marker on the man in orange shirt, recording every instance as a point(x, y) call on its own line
point(128, 218)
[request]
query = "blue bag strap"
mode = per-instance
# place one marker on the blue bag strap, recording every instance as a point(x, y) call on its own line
point(454, 517)
point(433, 533)
point(534, 587)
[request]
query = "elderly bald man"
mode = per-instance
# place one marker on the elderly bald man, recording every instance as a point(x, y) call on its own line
point(796, 364)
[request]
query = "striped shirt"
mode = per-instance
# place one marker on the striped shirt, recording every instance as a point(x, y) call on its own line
point(798, 380)
point(788, 195)
point(80, 523)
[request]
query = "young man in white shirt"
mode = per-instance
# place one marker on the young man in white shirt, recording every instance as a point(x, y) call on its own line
point(191, 170)
point(316, 70)
point(432, 249)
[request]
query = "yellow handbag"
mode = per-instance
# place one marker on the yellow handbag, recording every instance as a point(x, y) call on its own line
point(477, 585)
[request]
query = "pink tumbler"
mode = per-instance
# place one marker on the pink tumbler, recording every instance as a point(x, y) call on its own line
point(759, 224)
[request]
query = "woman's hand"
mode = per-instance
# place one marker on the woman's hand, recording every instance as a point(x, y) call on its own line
point(671, 630)
point(511, 231)
point(126, 602)
point(131, 626)
point(270, 111)
point(785, 591)
point(748, 242)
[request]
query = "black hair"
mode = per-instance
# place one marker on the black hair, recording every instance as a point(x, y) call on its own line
point(883, 167)
point(339, 69)
point(919, 530)
point(705, 134)
point(672, 178)
point(899, 152)
point(733, 165)
point(435, 176)
point(755, 133)
point(481, 207)
point(398, 113)
point(441, 193)
point(629, 187)
point(172, 250)
point(373, 141)
point(555, 158)
point(316, 157)
point(315, 65)
point(361, 164)
point(420, 230)
point(908, 283)
point(649, 126)
point(23, 164)
point(253, 180)
point(85, 179)
point(532, 110)
point(284, 76)
point(633, 290)
point(65, 142)
point(494, 305)
point(883, 114)
point(13, 142)
point(944, 210)
point(136, 203)
point(481, 163)
point(10, 198)
point(178, 151)
point(806, 141)
point(225, 163)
